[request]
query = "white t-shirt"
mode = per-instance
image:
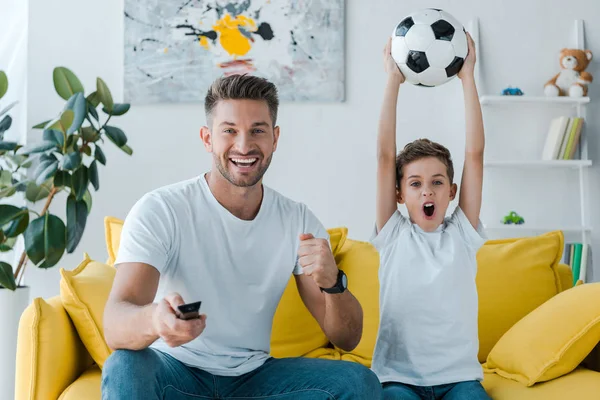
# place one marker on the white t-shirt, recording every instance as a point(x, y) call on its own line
point(428, 302)
point(238, 269)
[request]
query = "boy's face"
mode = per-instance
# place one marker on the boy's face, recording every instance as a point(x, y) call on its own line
point(242, 140)
point(426, 190)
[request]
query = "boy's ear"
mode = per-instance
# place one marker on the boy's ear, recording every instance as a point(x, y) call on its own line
point(399, 197)
point(453, 191)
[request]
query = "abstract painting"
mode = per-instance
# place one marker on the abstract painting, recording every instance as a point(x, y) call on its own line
point(174, 49)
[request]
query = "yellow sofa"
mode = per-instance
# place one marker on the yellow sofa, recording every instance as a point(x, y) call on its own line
point(60, 344)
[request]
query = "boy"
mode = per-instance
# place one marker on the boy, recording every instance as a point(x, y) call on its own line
point(427, 343)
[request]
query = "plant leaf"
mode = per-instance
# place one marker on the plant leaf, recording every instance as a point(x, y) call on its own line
point(66, 83)
point(7, 279)
point(99, 155)
point(8, 244)
point(92, 110)
point(5, 177)
point(35, 193)
point(8, 108)
point(71, 161)
point(66, 120)
point(3, 84)
point(78, 105)
point(7, 192)
point(77, 213)
point(18, 224)
point(94, 99)
point(127, 149)
point(104, 94)
point(8, 212)
point(62, 178)
point(93, 175)
point(38, 147)
point(80, 181)
point(5, 123)
point(10, 146)
point(116, 135)
point(45, 240)
point(47, 173)
point(89, 134)
point(118, 109)
point(41, 125)
point(55, 136)
point(87, 197)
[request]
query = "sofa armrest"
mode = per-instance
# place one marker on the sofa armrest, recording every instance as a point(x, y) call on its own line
point(50, 355)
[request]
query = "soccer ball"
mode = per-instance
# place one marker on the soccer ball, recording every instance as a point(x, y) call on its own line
point(429, 47)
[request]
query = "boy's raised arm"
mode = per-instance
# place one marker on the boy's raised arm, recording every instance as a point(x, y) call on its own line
point(472, 177)
point(386, 142)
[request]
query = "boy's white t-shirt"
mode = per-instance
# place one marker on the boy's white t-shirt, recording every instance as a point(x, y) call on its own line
point(238, 269)
point(428, 331)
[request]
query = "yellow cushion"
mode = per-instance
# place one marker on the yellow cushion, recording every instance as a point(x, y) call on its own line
point(581, 384)
point(112, 233)
point(552, 340)
point(87, 386)
point(360, 261)
point(84, 292)
point(49, 353)
point(565, 274)
point(514, 277)
point(295, 332)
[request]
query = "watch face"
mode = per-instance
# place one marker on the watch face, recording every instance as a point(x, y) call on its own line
point(344, 281)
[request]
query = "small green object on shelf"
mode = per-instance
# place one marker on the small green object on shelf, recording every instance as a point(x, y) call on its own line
point(513, 218)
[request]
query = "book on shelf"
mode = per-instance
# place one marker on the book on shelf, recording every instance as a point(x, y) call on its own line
point(563, 139)
point(575, 255)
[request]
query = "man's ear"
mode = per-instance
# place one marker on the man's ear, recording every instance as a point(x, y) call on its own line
point(453, 191)
point(275, 137)
point(206, 137)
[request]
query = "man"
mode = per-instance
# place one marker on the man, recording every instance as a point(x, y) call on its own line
point(227, 240)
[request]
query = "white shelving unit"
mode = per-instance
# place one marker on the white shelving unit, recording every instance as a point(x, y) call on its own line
point(582, 165)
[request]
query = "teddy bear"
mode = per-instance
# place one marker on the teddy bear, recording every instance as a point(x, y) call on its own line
point(572, 80)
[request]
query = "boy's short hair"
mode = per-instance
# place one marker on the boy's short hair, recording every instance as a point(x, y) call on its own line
point(242, 87)
point(423, 148)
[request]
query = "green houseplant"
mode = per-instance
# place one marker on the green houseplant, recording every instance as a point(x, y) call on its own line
point(66, 159)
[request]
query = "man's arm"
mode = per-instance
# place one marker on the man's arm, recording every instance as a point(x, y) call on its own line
point(132, 321)
point(339, 315)
point(386, 143)
point(472, 177)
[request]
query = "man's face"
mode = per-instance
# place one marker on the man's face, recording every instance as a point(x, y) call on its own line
point(426, 191)
point(242, 140)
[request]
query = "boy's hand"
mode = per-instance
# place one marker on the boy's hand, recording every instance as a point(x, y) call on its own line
point(468, 68)
point(391, 68)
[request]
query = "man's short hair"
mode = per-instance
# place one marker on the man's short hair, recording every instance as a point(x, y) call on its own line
point(241, 87)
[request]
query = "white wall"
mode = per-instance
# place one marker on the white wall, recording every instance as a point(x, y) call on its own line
point(326, 156)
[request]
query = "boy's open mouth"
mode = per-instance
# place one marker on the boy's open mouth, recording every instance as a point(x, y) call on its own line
point(428, 209)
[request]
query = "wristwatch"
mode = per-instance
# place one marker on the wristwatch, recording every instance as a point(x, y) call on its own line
point(340, 286)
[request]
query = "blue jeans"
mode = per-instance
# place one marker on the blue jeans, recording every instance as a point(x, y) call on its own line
point(468, 390)
point(150, 374)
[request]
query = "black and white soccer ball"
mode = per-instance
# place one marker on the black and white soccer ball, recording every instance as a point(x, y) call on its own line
point(429, 47)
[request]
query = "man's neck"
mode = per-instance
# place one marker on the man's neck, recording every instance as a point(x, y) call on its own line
point(243, 202)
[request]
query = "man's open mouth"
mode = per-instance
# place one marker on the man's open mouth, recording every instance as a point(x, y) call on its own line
point(428, 209)
point(244, 162)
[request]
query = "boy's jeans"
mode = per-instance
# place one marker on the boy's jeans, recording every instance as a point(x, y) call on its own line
point(150, 374)
point(468, 390)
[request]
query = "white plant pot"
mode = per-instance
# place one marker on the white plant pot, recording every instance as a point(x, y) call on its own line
point(12, 305)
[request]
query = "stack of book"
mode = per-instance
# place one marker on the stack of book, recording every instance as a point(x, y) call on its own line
point(575, 255)
point(562, 142)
